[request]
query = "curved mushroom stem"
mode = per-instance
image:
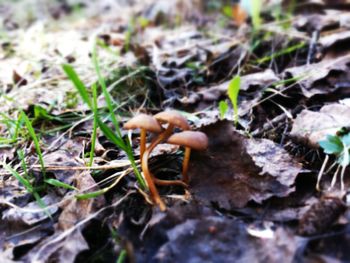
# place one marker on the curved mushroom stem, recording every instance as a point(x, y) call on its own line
point(185, 163)
point(152, 188)
point(162, 137)
point(169, 183)
point(142, 142)
point(144, 164)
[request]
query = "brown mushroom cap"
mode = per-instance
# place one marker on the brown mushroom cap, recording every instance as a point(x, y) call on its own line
point(174, 118)
point(193, 139)
point(143, 121)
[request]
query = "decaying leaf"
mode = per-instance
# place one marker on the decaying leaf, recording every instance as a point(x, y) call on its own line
point(216, 239)
point(252, 86)
point(312, 126)
point(74, 211)
point(236, 170)
point(324, 77)
point(321, 216)
point(32, 213)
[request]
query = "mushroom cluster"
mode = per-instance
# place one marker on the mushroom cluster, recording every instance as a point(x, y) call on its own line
point(164, 124)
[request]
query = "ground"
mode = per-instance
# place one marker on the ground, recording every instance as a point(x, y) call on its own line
point(264, 85)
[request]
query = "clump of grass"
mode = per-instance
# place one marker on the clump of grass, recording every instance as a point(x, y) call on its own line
point(35, 141)
point(115, 136)
point(26, 182)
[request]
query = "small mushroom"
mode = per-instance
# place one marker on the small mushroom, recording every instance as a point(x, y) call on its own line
point(190, 140)
point(144, 123)
point(174, 120)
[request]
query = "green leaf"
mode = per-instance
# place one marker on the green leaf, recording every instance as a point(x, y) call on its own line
point(111, 135)
point(41, 113)
point(105, 92)
point(90, 195)
point(41, 204)
point(72, 75)
point(255, 12)
point(332, 145)
point(36, 142)
point(20, 178)
point(233, 90)
point(346, 140)
point(94, 130)
point(223, 107)
point(122, 256)
point(58, 183)
point(227, 11)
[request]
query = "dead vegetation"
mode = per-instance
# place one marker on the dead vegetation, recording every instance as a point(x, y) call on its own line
point(268, 85)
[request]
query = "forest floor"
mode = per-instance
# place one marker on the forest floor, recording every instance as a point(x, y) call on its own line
point(268, 85)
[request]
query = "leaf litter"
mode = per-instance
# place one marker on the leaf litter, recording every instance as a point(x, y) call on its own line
point(252, 193)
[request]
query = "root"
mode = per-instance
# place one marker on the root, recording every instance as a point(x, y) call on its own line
point(321, 172)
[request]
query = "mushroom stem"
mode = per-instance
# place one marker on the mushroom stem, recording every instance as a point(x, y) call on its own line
point(144, 164)
point(186, 161)
point(168, 183)
point(142, 142)
point(164, 136)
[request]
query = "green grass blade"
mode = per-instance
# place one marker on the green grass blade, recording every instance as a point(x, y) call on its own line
point(256, 10)
point(95, 123)
point(36, 142)
point(90, 195)
point(41, 204)
point(134, 167)
point(122, 256)
point(20, 154)
point(282, 52)
point(58, 183)
point(73, 76)
point(105, 92)
point(111, 135)
point(20, 178)
point(223, 107)
point(233, 90)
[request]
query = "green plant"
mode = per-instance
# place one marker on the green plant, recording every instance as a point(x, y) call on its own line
point(255, 13)
point(232, 91)
point(122, 256)
point(114, 136)
point(339, 146)
point(25, 181)
point(95, 123)
point(280, 53)
point(223, 108)
point(35, 141)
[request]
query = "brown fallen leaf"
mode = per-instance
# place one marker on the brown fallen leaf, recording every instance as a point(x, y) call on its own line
point(321, 216)
point(235, 170)
point(74, 212)
point(195, 233)
point(312, 126)
point(324, 77)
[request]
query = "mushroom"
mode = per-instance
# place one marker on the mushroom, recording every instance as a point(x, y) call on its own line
point(173, 119)
point(190, 140)
point(144, 123)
